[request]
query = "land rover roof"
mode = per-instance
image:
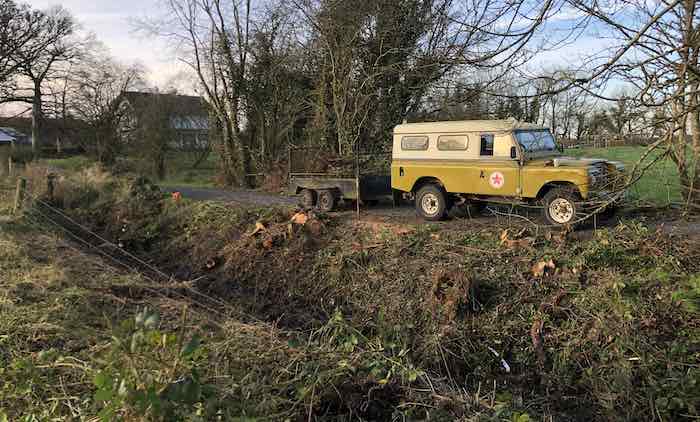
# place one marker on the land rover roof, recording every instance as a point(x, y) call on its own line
point(465, 126)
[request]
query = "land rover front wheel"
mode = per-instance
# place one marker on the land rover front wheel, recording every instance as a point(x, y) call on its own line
point(560, 207)
point(431, 202)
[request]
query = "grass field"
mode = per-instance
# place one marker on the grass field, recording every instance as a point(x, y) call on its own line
point(658, 185)
point(180, 172)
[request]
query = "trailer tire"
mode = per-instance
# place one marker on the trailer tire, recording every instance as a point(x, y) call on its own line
point(431, 202)
point(308, 198)
point(327, 200)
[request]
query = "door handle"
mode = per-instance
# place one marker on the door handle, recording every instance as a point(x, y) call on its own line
point(481, 175)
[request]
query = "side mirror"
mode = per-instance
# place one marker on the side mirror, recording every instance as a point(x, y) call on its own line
point(513, 152)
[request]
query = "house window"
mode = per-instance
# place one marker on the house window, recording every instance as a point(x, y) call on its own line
point(453, 142)
point(414, 143)
point(487, 144)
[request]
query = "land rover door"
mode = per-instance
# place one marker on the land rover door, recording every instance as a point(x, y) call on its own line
point(498, 165)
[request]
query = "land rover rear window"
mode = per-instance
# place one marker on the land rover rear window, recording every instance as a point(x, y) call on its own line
point(452, 142)
point(414, 143)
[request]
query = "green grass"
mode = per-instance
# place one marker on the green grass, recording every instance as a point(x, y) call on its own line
point(70, 164)
point(180, 172)
point(658, 185)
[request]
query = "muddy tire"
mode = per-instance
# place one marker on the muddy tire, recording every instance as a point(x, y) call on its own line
point(308, 198)
point(431, 202)
point(327, 200)
point(561, 207)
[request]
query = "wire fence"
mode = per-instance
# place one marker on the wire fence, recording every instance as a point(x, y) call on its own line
point(116, 260)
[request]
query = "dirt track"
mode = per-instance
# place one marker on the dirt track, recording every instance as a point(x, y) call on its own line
point(384, 211)
point(258, 198)
point(669, 222)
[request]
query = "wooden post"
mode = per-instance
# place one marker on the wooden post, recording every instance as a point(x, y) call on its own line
point(50, 178)
point(19, 194)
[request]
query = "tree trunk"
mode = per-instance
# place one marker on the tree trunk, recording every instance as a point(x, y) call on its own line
point(36, 118)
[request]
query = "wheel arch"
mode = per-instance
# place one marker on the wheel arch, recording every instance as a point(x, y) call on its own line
point(427, 180)
point(557, 184)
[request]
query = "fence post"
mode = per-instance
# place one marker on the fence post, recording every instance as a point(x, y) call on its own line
point(19, 194)
point(50, 178)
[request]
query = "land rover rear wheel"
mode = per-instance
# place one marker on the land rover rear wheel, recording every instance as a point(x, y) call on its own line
point(431, 202)
point(560, 207)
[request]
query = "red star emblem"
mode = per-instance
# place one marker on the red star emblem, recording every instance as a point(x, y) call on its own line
point(496, 179)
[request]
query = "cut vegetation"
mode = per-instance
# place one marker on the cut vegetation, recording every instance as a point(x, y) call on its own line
point(277, 314)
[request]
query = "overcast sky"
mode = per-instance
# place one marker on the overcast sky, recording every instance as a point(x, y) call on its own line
point(111, 22)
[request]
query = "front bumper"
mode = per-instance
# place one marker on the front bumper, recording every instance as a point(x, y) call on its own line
point(598, 198)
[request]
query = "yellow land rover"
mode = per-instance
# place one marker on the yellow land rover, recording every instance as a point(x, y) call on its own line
point(441, 164)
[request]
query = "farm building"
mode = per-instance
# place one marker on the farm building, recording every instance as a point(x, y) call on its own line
point(187, 117)
point(9, 138)
point(56, 135)
point(13, 137)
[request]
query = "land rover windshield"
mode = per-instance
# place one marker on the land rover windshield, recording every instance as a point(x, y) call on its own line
point(536, 141)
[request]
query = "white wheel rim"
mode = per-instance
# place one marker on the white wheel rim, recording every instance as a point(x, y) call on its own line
point(561, 210)
point(430, 203)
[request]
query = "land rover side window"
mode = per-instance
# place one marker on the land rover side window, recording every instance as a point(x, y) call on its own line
point(452, 142)
point(414, 143)
point(486, 144)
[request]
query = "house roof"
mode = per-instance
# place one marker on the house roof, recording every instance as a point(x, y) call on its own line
point(183, 105)
point(5, 138)
point(9, 135)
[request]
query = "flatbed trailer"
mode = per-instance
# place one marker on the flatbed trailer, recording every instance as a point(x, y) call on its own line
point(324, 189)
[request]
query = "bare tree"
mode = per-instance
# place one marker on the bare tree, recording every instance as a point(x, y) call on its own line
point(93, 92)
point(214, 40)
point(39, 59)
point(20, 42)
point(660, 47)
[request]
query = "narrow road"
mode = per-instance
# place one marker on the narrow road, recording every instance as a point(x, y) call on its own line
point(258, 198)
point(406, 214)
point(384, 208)
point(240, 196)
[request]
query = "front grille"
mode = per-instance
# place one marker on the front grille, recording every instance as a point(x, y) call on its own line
point(598, 176)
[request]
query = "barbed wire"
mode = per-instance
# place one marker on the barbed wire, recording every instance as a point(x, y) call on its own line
point(121, 264)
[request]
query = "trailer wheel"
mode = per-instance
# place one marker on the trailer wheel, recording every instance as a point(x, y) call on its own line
point(308, 198)
point(431, 202)
point(327, 200)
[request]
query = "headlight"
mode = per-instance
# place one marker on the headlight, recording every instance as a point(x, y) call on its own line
point(592, 179)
